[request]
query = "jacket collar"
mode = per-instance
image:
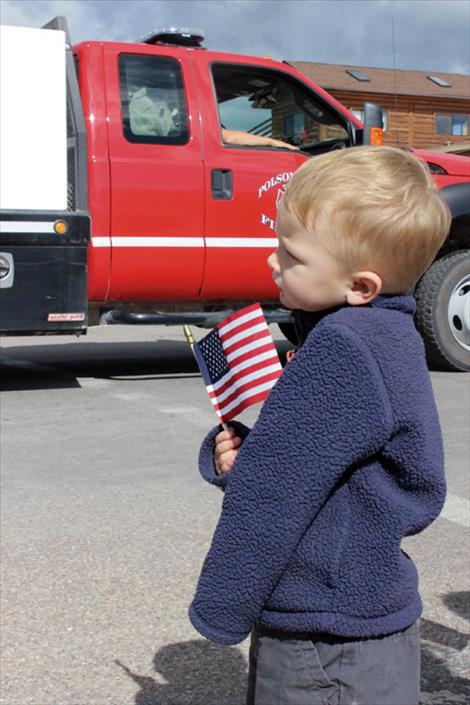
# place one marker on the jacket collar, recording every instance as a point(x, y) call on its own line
point(305, 321)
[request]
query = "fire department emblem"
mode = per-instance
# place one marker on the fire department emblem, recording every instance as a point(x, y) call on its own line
point(280, 183)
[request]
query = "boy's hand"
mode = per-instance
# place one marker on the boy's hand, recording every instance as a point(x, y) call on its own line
point(226, 449)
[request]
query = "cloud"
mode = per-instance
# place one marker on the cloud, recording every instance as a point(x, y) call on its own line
point(429, 35)
point(30, 13)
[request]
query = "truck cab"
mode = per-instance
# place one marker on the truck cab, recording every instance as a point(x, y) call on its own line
point(179, 214)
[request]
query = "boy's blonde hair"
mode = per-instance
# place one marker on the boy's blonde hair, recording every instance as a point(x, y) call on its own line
point(373, 208)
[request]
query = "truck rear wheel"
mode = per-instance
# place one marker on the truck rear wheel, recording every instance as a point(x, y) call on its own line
point(443, 311)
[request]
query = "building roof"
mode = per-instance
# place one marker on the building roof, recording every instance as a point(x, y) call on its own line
point(335, 76)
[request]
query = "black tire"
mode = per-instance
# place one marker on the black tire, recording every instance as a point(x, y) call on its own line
point(440, 315)
point(288, 331)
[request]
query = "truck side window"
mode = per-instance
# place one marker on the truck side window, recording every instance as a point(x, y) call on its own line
point(152, 100)
point(271, 104)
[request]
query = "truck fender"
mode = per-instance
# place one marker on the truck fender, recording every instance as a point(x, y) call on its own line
point(457, 197)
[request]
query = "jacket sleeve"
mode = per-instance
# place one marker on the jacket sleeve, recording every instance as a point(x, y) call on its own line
point(328, 410)
point(206, 454)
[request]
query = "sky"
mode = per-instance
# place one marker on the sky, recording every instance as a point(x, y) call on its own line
point(423, 35)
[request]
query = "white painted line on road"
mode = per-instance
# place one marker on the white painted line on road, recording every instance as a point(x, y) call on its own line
point(130, 396)
point(179, 410)
point(457, 510)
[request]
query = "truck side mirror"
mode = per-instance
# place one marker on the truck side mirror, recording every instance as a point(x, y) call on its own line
point(373, 124)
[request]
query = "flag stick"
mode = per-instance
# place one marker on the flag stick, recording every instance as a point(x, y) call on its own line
point(190, 340)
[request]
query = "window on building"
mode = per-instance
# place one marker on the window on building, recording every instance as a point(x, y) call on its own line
point(269, 104)
point(440, 81)
point(358, 75)
point(152, 100)
point(359, 114)
point(452, 125)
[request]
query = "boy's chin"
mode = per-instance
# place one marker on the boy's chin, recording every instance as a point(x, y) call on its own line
point(312, 308)
point(307, 306)
point(285, 302)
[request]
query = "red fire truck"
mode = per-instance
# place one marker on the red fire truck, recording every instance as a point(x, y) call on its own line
point(127, 205)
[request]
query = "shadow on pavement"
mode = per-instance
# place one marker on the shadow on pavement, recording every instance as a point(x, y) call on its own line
point(58, 366)
point(196, 673)
point(21, 375)
point(458, 602)
point(445, 673)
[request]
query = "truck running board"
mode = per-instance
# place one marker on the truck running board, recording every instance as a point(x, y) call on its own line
point(204, 319)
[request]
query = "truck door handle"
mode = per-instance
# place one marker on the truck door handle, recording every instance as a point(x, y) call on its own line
point(222, 184)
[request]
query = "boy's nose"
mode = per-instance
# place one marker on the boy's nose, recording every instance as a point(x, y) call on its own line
point(273, 261)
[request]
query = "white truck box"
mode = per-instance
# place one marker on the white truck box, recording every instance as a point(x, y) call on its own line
point(33, 132)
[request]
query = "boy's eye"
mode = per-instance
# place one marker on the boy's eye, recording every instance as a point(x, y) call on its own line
point(286, 254)
point(291, 256)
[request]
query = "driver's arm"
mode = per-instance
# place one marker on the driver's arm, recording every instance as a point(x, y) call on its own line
point(246, 138)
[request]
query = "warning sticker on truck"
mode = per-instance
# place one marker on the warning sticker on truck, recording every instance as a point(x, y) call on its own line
point(63, 317)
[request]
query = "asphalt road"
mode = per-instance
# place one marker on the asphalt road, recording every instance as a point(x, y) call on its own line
point(105, 523)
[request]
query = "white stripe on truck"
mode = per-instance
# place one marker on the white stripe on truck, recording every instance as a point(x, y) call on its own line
point(139, 241)
point(26, 226)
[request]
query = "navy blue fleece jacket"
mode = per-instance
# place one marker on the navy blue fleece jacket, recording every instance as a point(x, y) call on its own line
point(344, 460)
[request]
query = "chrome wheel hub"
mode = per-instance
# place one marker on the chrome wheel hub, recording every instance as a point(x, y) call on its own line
point(458, 313)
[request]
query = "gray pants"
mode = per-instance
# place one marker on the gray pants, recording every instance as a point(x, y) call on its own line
point(318, 669)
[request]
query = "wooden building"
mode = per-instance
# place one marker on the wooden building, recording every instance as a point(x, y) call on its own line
point(421, 108)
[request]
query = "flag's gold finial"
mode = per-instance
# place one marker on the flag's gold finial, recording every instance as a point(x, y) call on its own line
point(188, 335)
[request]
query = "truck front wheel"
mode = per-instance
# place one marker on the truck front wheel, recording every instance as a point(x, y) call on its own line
point(443, 311)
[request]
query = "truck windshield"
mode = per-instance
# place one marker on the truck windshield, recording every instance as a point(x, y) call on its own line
point(271, 104)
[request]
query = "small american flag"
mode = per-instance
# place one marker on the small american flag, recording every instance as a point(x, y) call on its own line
point(238, 362)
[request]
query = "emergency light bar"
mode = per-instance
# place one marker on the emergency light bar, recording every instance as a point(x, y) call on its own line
point(179, 36)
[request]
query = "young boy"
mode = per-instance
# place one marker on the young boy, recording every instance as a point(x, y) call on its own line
point(346, 456)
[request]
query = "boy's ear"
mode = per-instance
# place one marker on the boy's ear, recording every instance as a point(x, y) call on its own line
point(364, 288)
